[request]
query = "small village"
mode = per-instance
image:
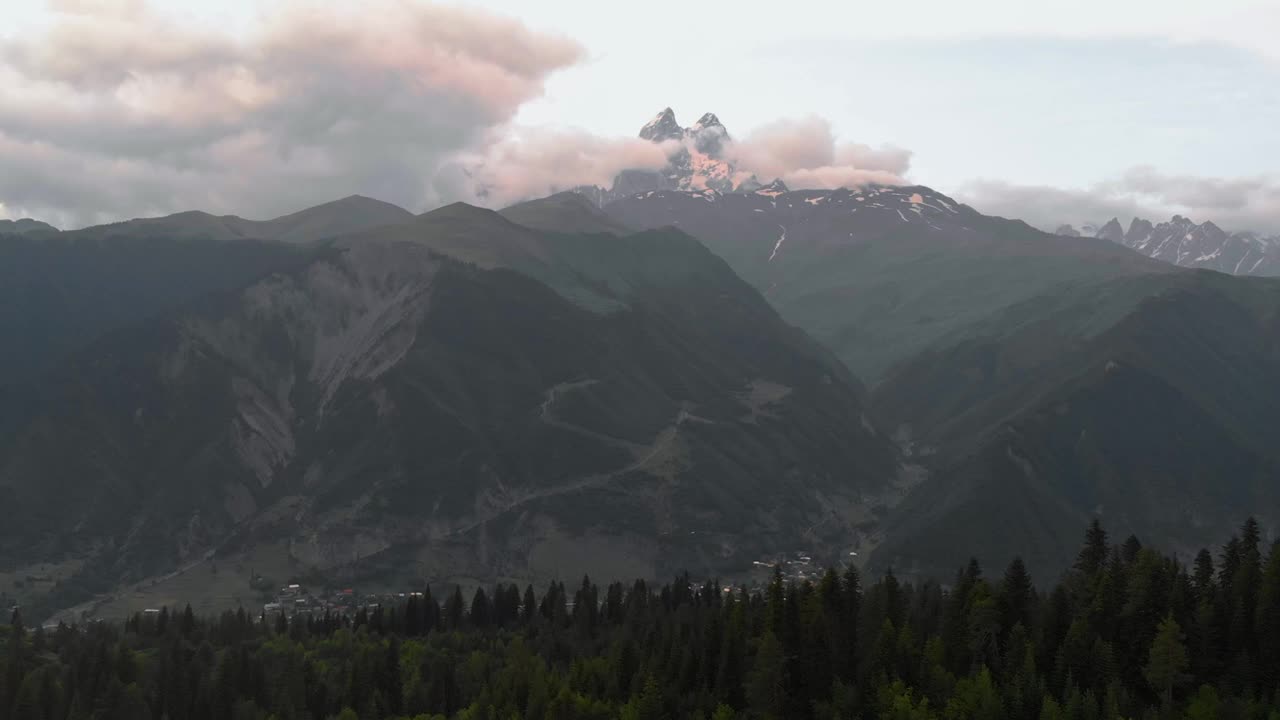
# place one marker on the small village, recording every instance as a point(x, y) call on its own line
point(295, 599)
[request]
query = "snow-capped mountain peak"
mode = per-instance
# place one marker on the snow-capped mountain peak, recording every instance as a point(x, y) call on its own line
point(1182, 241)
point(708, 135)
point(696, 161)
point(662, 127)
point(708, 120)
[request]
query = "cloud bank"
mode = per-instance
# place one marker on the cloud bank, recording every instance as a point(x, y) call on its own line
point(1251, 203)
point(523, 163)
point(115, 110)
point(805, 154)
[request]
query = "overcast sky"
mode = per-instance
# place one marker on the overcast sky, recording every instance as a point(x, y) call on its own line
point(1051, 111)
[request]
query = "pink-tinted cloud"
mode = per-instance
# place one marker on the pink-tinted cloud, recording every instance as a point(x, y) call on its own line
point(116, 110)
point(524, 163)
point(805, 153)
point(142, 115)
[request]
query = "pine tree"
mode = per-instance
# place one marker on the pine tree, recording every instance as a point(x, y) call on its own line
point(1205, 704)
point(1073, 664)
point(1016, 597)
point(455, 609)
point(1129, 549)
point(846, 652)
point(481, 614)
point(1227, 570)
point(731, 667)
point(1050, 709)
point(586, 608)
point(132, 704)
point(955, 624)
point(1167, 661)
point(389, 679)
point(1203, 576)
point(976, 698)
point(723, 712)
point(1094, 553)
point(27, 706)
point(649, 704)
point(1268, 623)
point(776, 601)
point(984, 626)
point(1245, 586)
point(765, 691)
point(15, 666)
point(613, 607)
point(188, 622)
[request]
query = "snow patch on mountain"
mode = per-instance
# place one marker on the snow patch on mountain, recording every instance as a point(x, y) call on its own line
point(781, 239)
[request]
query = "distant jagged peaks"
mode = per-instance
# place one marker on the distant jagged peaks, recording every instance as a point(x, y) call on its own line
point(1138, 226)
point(696, 161)
point(1111, 231)
point(662, 127)
point(699, 163)
point(1182, 241)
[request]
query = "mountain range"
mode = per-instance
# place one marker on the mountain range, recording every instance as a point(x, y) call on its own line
point(60, 290)
point(625, 384)
point(453, 397)
point(1185, 243)
point(1041, 379)
point(878, 273)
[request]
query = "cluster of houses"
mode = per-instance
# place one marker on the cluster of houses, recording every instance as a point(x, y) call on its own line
point(796, 567)
point(295, 599)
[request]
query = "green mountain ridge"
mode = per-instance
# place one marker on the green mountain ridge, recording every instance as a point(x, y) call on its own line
point(880, 274)
point(338, 217)
point(61, 290)
point(25, 225)
point(454, 396)
point(1161, 424)
point(1001, 358)
point(565, 212)
point(540, 391)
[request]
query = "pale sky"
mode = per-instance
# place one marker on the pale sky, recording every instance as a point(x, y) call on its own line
point(994, 98)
